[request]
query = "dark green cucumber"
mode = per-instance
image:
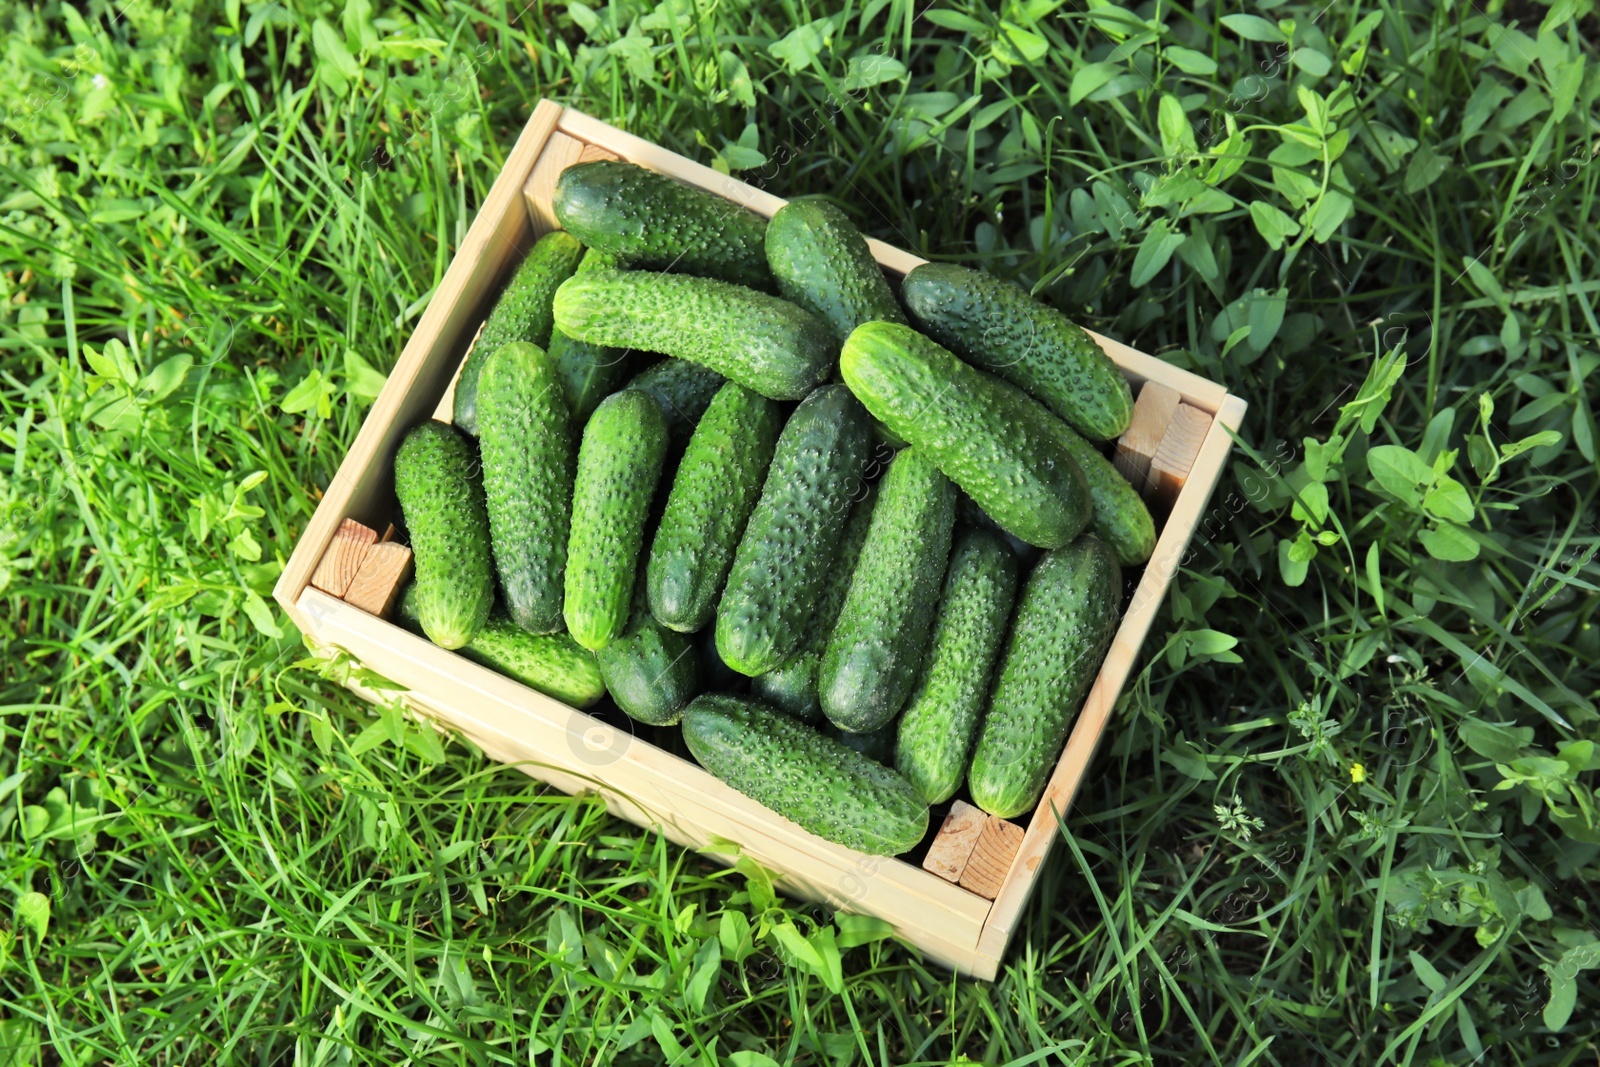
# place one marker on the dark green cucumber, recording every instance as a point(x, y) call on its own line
point(938, 723)
point(989, 437)
point(436, 479)
point(619, 463)
point(554, 664)
point(718, 675)
point(793, 686)
point(589, 373)
point(793, 535)
point(656, 223)
point(878, 746)
point(878, 643)
point(763, 343)
point(718, 482)
point(522, 313)
point(1065, 620)
point(1120, 519)
point(996, 325)
point(827, 788)
point(650, 671)
point(822, 263)
point(683, 390)
point(525, 437)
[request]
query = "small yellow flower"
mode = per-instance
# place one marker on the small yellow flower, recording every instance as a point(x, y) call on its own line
point(1358, 773)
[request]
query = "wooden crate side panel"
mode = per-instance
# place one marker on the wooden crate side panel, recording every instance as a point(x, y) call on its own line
point(639, 782)
point(1120, 660)
point(362, 488)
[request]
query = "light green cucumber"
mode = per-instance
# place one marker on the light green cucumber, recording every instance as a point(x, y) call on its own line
point(822, 263)
point(793, 687)
point(554, 664)
point(882, 632)
point(655, 223)
point(436, 478)
point(619, 463)
point(526, 441)
point(760, 341)
point(522, 313)
point(1121, 518)
point(998, 326)
point(589, 373)
point(650, 671)
point(792, 538)
point(826, 787)
point(716, 487)
point(937, 726)
point(1064, 622)
point(986, 435)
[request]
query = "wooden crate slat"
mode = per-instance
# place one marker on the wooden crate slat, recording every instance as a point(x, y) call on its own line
point(341, 562)
point(1175, 456)
point(1152, 411)
point(377, 584)
point(997, 845)
point(958, 836)
point(560, 152)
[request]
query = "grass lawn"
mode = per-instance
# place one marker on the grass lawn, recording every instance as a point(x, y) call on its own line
point(1346, 812)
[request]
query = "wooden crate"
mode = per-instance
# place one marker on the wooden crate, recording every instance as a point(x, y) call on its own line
point(963, 915)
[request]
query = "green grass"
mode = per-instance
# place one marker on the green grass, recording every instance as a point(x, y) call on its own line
point(1346, 814)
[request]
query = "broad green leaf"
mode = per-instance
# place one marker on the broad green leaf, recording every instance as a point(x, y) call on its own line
point(1253, 28)
point(954, 20)
point(1427, 973)
point(861, 929)
point(1293, 571)
point(363, 379)
point(330, 48)
point(1196, 252)
point(1314, 498)
point(801, 46)
point(1265, 317)
point(703, 974)
point(1424, 169)
point(1018, 45)
point(1176, 133)
point(1450, 543)
point(1448, 499)
point(1311, 61)
point(1567, 79)
point(1563, 998)
point(1088, 79)
point(871, 70)
point(1189, 61)
point(1273, 225)
point(303, 397)
point(33, 913)
point(1400, 472)
point(1485, 101)
point(1154, 252)
point(260, 615)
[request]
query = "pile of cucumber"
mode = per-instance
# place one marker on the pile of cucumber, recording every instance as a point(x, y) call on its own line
point(695, 450)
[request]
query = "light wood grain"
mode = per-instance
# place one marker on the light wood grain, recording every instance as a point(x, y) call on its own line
point(958, 836)
point(1175, 456)
point(1152, 411)
point(377, 584)
point(342, 561)
point(638, 781)
point(560, 152)
point(997, 845)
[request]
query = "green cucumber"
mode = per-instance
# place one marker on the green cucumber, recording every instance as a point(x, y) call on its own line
point(554, 664)
point(792, 538)
point(619, 463)
point(1121, 518)
point(589, 373)
point(683, 390)
point(763, 343)
point(827, 788)
point(1064, 623)
point(996, 325)
point(793, 687)
point(522, 313)
point(937, 726)
point(653, 222)
point(436, 479)
point(822, 263)
point(882, 633)
point(878, 746)
point(525, 438)
point(650, 671)
point(989, 437)
point(716, 487)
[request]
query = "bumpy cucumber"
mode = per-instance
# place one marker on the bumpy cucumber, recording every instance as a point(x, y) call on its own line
point(525, 437)
point(877, 746)
point(718, 482)
point(759, 341)
point(656, 223)
point(650, 671)
point(822, 263)
point(683, 390)
point(985, 434)
point(436, 479)
point(793, 687)
point(619, 463)
point(831, 790)
point(936, 728)
point(521, 314)
point(998, 326)
point(554, 664)
point(882, 633)
point(1065, 621)
point(1120, 519)
point(589, 373)
point(792, 537)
